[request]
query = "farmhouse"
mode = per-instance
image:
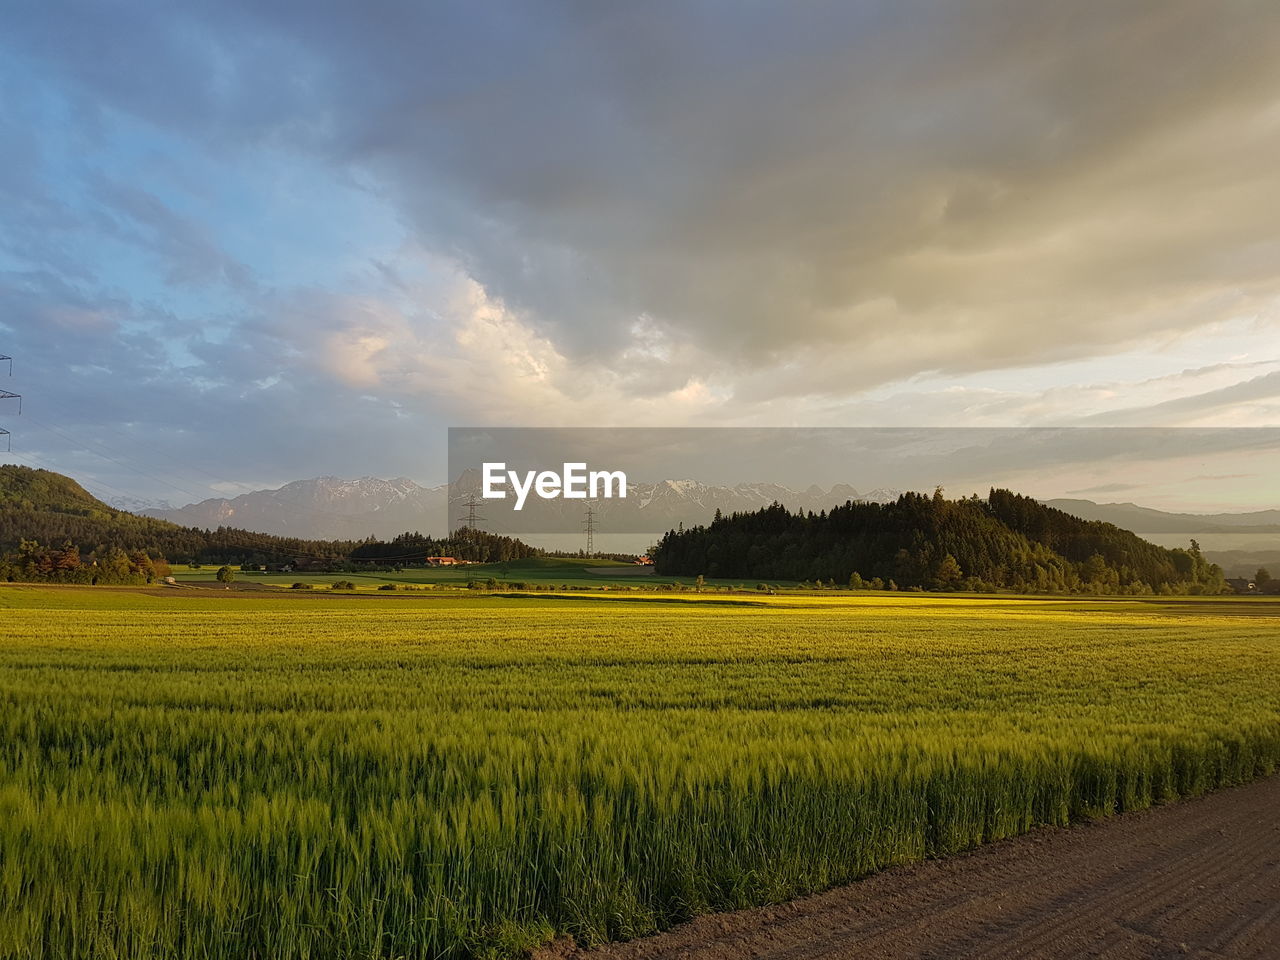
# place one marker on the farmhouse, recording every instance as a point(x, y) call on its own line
point(442, 561)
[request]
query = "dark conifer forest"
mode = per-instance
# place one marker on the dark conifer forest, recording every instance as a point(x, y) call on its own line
point(1006, 541)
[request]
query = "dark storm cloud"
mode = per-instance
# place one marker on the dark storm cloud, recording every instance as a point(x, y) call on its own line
point(913, 185)
point(674, 207)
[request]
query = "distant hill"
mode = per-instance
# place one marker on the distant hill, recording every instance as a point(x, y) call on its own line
point(1004, 541)
point(334, 508)
point(52, 510)
point(1130, 516)
point(1245, 563)
point(331, 508)
point(22, 488)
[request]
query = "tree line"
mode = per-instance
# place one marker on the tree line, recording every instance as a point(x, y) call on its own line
point(465, 543)
point(1005, 541)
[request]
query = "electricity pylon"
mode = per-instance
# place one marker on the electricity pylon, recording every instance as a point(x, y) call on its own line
point(470, 505)
point(6, 395)
point(590, 525)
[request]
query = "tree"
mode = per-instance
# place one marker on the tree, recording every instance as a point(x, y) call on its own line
point(67, 559)
point(949, 573)
point(700, 582)
point(855, 581)
point(226, 574)
point(1262, 577)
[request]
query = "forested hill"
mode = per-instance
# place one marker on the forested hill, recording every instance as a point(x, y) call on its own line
point(47, 520)
point(918, 541)
point(49, 508)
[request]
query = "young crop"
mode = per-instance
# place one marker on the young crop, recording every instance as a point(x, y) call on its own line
point(420, 777)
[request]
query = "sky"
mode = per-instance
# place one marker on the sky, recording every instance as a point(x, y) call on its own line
point(243, 243)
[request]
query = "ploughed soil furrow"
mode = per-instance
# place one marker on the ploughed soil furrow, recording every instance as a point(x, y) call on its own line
point(1194, 879)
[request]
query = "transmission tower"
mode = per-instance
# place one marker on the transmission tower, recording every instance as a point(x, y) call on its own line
point(589, 524)
point(470, 505)
point(6, 395)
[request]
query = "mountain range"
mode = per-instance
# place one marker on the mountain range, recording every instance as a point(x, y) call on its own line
point(335, 509)
point(1130, 516)
point(332, 508)
point(323, 508)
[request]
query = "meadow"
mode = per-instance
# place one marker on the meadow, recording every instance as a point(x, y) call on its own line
point(187, 775)
point(542, 571)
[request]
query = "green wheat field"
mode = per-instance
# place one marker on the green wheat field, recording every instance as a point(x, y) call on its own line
point(195, 776)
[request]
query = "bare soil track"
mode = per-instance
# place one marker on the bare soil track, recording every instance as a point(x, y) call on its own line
point(1194, 879)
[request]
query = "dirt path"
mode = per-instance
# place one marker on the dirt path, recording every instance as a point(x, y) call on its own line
point(1195, 879)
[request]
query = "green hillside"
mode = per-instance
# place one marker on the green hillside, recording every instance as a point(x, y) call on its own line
point(51, 528)
point(22, 488)
point(51, 509)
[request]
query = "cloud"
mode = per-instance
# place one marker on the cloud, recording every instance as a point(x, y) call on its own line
point(889, 188)
point(1237, 404)
point(1105, 488)
point(187, 248)
point(320, 218)
point(818, 204)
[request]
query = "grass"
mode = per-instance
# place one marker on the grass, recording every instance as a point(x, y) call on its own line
point(544, 571)
point(187, 775)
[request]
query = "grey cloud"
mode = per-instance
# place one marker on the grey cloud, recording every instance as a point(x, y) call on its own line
point(190, 252)
point(1002, 183)
point(1264, 387)
point(802, 199)
point(106, 400)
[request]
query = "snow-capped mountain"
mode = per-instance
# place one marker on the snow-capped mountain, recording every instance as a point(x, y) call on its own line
point(136, 505)
point(658, 506)
point(332, 508)
point(325, 508)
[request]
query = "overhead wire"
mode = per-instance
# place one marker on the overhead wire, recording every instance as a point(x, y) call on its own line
point(244, 538)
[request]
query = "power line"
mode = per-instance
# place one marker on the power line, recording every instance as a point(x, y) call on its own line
point(134, 467)
point(152, 449)
point(245, 539)
point(249, 539)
